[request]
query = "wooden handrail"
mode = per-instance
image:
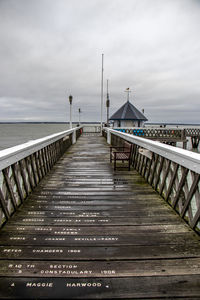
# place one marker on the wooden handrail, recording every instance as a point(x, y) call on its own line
point(172, 172)
point(23, 166)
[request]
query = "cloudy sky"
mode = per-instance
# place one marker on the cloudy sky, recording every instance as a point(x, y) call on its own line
point(50, 49)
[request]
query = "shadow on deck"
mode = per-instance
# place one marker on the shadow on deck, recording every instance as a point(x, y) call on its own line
point(88, 232)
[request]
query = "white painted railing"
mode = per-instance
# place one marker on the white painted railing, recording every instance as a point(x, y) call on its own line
point(91, 128)
point(23, 166)
point(173, 172)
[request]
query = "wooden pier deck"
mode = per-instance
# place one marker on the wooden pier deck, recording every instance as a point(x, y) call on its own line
point(88, 232)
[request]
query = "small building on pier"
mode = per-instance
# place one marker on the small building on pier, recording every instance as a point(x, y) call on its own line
point(128, 116)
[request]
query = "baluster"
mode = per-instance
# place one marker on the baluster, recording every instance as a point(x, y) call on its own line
point(154, 169)
point(166, 171)
point(9, 187)
point(171, 182)
point(196, 219)
point(180, 186)
point(27, 164)
point(149, 168)
point(4, 206)
point(136, 157)
point(190, 194)
point(23, 173)
point(134, 154)
point(145, 166)
point(159, 172)
point(141, 165)
point(39, 172)
point(34, 169)
point(47, 158)
point(44, 161)
point(15, 170)
point(41, 163)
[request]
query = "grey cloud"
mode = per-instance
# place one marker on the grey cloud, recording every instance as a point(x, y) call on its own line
point(50, 49)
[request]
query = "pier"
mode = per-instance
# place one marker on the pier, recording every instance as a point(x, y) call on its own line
point(73, 228)
point(166, 135)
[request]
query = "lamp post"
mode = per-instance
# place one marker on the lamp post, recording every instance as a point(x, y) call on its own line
point(79, 116)
point(70, 102)
point(107, 104)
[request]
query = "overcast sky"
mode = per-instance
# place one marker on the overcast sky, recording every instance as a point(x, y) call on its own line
point(50, 49)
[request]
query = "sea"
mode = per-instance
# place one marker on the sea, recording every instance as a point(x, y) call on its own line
point(18, 133)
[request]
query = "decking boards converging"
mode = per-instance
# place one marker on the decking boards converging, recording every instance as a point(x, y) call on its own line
point(90, 232)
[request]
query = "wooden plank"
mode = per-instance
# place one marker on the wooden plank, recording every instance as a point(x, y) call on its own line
point(105, 230)
point(109, 253)
point(100, 269)
point(100, 240)
point(94, 205)
point(96, 213)
point(171, 219)
point(153, 287)
point(88, 232)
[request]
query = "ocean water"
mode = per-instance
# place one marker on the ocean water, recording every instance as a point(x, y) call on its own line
point(15, 134)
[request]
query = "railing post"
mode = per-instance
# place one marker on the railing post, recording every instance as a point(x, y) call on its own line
point(74, 137)
point(108, 137)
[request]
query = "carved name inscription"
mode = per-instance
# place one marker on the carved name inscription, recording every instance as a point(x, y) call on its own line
point(61, 220)
point(55, 269)
point(70, 239)
point(48, 229)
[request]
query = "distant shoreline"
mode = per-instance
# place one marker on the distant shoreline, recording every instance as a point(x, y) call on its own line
point(48, 122)
point(148, 123)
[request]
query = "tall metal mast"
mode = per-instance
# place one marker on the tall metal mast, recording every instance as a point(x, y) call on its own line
point(102, 95)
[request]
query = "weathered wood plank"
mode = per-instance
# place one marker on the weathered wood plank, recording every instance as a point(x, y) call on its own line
point(171, 219)
point(96, 213)
point(100, 269)
point(87, 232)
point(153, 287)
point(99, 253)
point(100, 240)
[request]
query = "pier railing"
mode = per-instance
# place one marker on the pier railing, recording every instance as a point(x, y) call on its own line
point(154, 132)
point(173, 172)
point(91, 128)
point(166, 135)
point(23, 166)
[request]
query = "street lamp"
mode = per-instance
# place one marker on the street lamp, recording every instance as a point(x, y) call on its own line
point(79, 114)
point(70, 102)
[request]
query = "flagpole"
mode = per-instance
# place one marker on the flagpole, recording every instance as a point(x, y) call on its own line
point(102, 94)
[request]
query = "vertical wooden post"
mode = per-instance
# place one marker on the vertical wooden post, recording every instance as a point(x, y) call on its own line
point(74, 137)
point(108, 137)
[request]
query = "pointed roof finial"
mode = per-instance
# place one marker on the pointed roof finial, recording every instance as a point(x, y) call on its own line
point(128, 92)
